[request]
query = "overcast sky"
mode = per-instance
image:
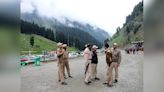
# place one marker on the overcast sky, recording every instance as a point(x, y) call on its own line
point(106, 14)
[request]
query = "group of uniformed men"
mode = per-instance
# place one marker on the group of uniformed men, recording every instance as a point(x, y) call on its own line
point(113, 60)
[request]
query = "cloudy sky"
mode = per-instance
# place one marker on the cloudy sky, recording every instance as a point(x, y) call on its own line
point(106, 14)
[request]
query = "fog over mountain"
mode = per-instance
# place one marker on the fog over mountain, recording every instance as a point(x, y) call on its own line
point(51, 22)
point(106, 14)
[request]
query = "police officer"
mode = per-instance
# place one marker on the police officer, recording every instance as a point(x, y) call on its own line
point(60, 63)
point(108, 53)
point(116, 60)
point(66, 62)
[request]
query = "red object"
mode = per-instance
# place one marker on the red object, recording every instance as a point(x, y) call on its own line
point(23, 60)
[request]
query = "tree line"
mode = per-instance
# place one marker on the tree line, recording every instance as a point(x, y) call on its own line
point(31, 28)
point(74, 37)
point(138, 9)
point(132, 28)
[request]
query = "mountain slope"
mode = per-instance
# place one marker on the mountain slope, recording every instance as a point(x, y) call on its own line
point(96, 32)
point(132, 29)
point(75, 37)
point(40, 44)
point(72, 36)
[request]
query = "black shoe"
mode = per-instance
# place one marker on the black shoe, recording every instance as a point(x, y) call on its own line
point(97, 78)
point(105, 83)
point(115, 81)
point(59, 80)
point(70, 76)
point(65, 77)
point(109, 85)
point(87, 83)
point(63, 83)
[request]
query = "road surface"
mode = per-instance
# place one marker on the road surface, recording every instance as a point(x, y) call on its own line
point(44, 78)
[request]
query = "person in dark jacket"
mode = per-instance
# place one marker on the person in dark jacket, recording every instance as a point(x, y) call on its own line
point(94, 63)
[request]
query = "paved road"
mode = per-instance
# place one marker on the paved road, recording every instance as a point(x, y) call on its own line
point(44, 78)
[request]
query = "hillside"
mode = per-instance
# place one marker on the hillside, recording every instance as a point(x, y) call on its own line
point(74, 37)
point(40, 44)
point(52, 23)
point(132, 29)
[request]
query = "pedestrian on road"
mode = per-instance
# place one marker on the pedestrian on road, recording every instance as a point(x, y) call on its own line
point(94, 63)
point(109, 79)
point(88, 57)
point(116, 60)
point(134, 49)
point(66, 62)
point(60, 63)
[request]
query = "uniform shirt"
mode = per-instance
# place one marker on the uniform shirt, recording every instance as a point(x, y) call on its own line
point(108, 53)
point(65, 54)
point(94, 57)
point(59, 53)
point(87, 54)
point(116, 55)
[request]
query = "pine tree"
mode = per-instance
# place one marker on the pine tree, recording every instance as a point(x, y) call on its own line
point(32, 41)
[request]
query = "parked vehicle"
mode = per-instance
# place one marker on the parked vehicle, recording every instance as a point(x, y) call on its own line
point(73, 55)
point(24, 60)
point(82, 53)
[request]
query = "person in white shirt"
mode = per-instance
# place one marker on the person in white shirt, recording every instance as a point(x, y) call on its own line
point(88, 57)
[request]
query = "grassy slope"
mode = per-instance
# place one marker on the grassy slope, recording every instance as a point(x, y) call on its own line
point(121, 39)
point(40, 44)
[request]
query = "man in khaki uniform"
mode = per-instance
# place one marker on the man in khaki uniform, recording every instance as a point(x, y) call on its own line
point(116, 60)
point(66, 63)
point(108, 53)
point(94, 63)
point(113, 61)
point(60, 63)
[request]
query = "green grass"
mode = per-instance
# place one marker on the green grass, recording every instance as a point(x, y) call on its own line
point(122, 37)
point(123, 41)
point(120, 40)
point(40, 44)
